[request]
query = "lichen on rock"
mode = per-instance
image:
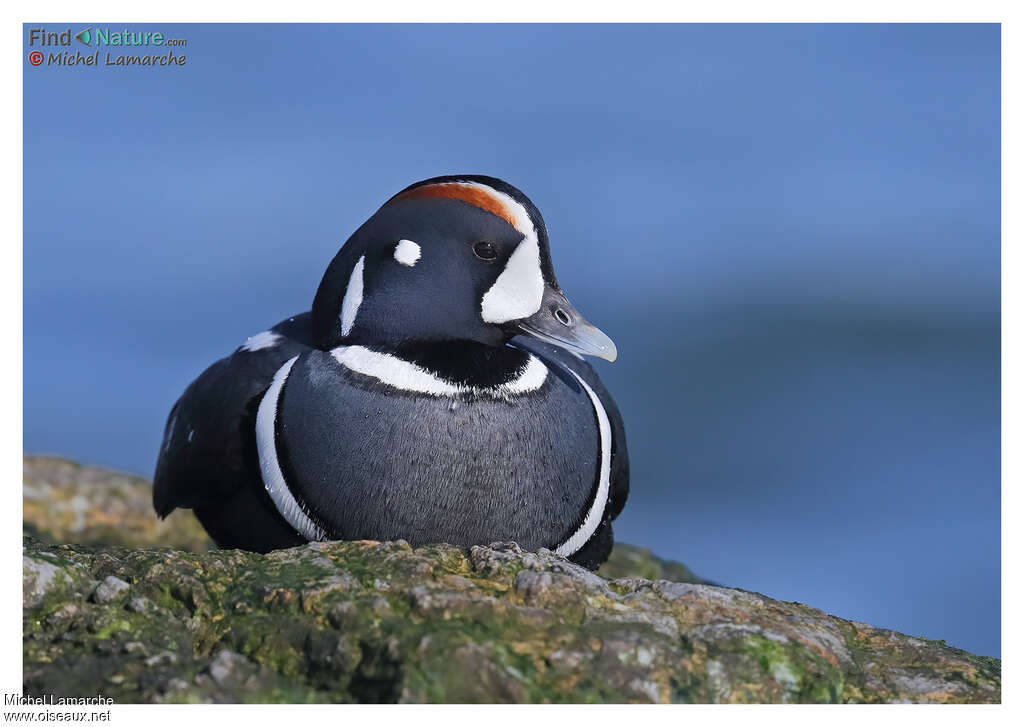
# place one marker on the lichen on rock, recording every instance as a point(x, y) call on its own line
point(382, 622)
point(385, 622)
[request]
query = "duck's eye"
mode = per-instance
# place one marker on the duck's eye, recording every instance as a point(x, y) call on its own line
point(485, 250)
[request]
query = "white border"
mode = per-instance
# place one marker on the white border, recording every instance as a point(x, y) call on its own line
point(530, 10)
point(522, 11)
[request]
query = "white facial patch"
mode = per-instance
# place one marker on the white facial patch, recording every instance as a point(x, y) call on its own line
point(353, 297)
point(267, 339)
point(407, 252)
point(518, 291)
point(407, 376)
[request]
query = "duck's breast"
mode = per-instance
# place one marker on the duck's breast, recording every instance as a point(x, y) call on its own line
point(414, 460)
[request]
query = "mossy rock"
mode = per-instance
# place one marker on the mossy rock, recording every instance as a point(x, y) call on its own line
point(385, 622)
point(66, 502)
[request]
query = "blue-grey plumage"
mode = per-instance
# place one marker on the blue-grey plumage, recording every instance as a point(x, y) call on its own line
point(461, 468)
point(434, 393)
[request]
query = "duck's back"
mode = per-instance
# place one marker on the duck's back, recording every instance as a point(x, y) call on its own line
point(207, 459)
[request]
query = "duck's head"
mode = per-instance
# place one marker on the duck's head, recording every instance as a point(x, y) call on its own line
point(457, 258)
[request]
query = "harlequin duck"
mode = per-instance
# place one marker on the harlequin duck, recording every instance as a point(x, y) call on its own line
point(436, 392)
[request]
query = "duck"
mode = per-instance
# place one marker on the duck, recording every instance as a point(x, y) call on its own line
point(435, 392)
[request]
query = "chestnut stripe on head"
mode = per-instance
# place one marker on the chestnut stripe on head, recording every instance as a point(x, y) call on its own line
point(519, 289)
point(472, 193)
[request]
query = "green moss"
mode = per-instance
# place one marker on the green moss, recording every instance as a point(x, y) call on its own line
point(281, 650)
point(630, 561)
point(364, 622)
point(113, 627)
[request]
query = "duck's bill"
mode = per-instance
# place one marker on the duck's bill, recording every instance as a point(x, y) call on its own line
point(560, 324)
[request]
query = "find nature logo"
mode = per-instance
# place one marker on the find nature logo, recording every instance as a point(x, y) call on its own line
point(96, 37)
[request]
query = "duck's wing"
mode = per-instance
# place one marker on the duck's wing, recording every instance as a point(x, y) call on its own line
point(208, 459)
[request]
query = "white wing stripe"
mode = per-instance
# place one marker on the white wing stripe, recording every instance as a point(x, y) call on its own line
point(267, 339)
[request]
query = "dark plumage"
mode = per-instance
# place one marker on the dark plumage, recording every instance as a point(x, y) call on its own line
point(434, 393)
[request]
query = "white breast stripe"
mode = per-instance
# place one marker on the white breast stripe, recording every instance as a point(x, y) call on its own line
point(593, 519)
point(407, 252)
point(531, 379)
point(353, 297)
point(270, 468)
point(407, 376)
point(267, 339)
point(392, 370)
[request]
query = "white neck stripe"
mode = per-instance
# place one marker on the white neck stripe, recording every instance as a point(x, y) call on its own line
point(597, 507)
point(407, 376)
point(353, 297)
point(270, 468)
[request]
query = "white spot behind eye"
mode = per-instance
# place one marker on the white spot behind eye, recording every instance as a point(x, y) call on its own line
point(407, 252)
